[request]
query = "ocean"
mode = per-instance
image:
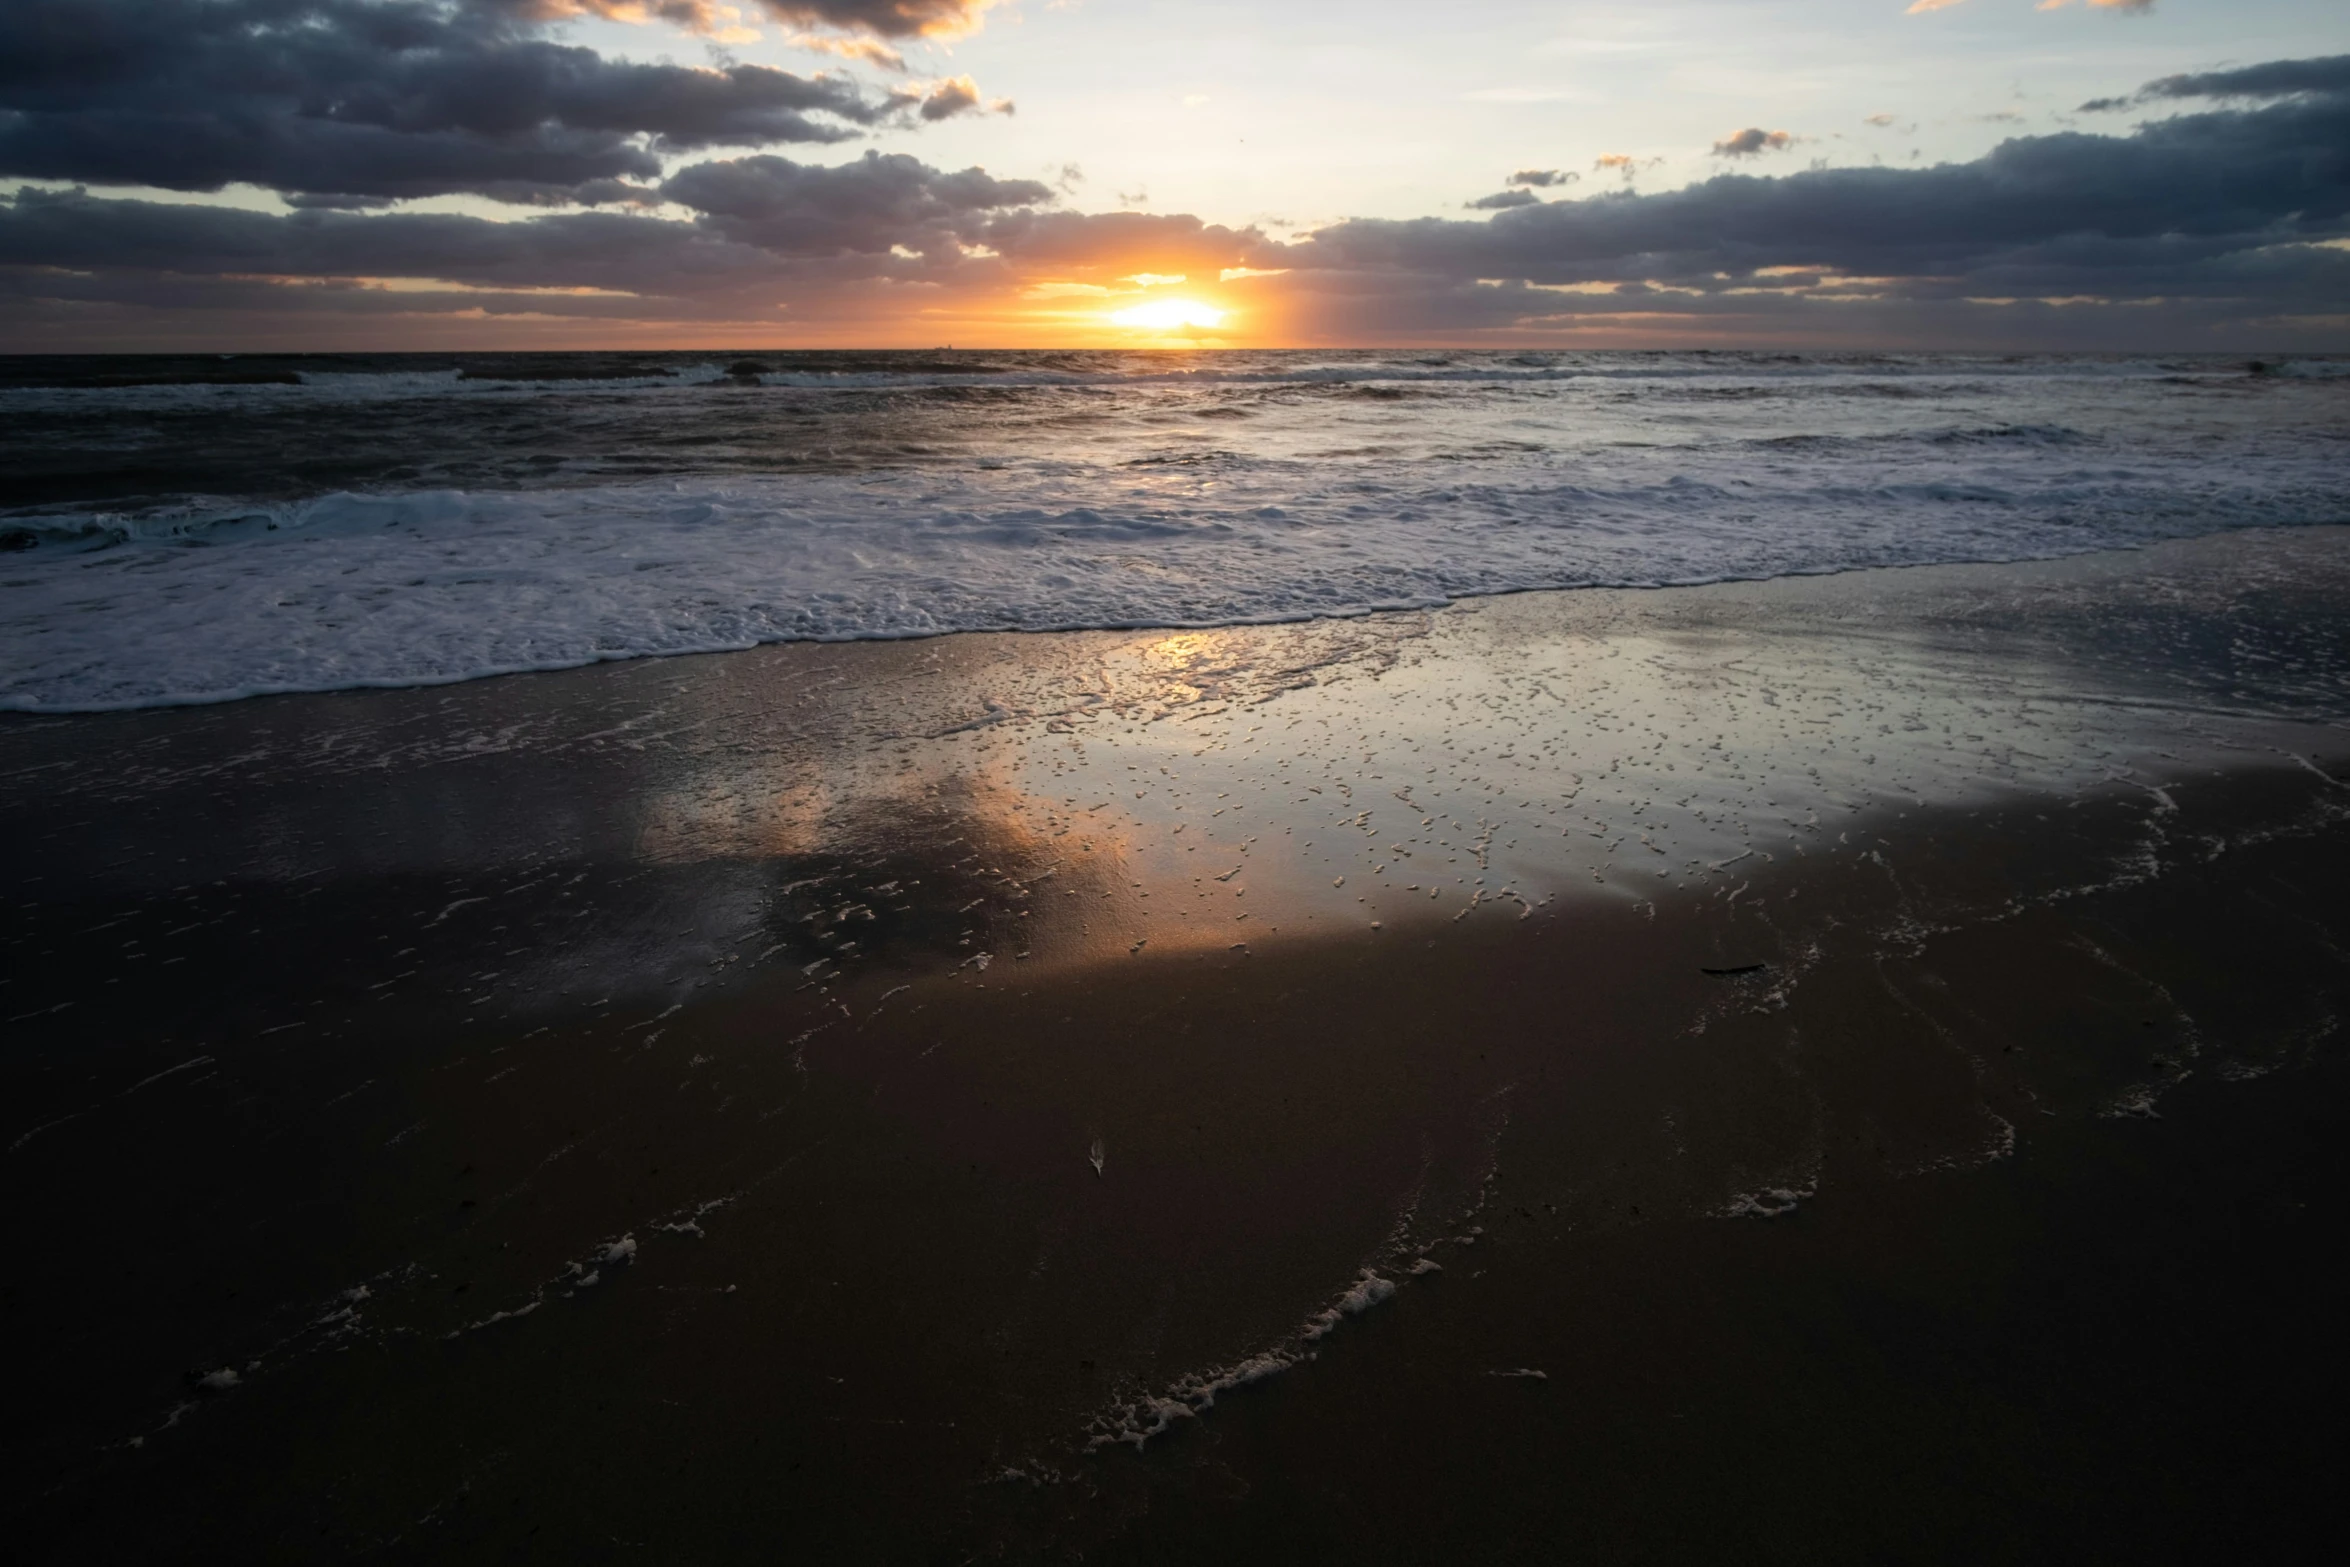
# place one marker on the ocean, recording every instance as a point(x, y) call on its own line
point(1409, 1086)
point(194, 529)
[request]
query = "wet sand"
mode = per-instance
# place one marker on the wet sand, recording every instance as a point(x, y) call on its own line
point(1840, 1068)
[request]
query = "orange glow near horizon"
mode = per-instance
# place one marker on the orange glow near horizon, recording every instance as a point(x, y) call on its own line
point(1169, 315)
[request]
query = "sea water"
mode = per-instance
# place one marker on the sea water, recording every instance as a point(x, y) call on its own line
point(198, 529)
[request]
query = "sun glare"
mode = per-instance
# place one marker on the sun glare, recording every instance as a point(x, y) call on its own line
point(1169, 315)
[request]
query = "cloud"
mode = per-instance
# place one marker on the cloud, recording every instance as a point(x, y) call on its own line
point(2254, 177)
point(2227, 225)
point(955, 95)
point(2237, 213)
point(697, 16)
point(1752, 142)
point(765, 237)
point(1623, 163)
point(886, 18)
point(1120, 244)
point(1521, 187)
point(138, 243)
point(394, 99)
point(871, 51)
point(879, 203)
point(2277, 79)
point(878, 18)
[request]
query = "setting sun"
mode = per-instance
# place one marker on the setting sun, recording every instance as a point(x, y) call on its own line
point(1168, 315)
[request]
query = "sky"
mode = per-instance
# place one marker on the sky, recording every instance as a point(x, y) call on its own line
point(246, 175)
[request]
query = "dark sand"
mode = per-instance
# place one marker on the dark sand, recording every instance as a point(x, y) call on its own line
point(1833, 1069)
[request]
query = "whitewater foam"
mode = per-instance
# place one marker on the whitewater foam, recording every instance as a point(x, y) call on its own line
point(1135, 1424)
point(1055, 509)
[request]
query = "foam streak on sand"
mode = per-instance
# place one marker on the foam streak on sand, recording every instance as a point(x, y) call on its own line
point(643, 1030)
point(1194, 1395)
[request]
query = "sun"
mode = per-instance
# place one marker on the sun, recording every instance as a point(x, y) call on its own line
point(1169, 315)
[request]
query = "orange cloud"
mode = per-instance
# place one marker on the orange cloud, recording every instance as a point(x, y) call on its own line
point(952, 96)
point(871, 51)
point(1753, 142)
point(873, 18)
point(695, 16)
point(886, 18)
point(1623, 163)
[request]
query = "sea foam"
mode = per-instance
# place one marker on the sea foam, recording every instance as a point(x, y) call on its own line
point(1179, 498)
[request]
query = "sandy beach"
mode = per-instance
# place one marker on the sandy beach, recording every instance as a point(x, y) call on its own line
point(1833, 1068)
point(933, 782)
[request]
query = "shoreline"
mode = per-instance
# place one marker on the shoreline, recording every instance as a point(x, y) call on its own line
point(16, 710)
point(482, 1074)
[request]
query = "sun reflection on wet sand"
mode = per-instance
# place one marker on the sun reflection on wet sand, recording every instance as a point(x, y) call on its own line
point(1224, 790)
point(1015, 1038)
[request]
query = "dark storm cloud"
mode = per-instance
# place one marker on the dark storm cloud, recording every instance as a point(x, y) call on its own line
point(2277, 79)
point(752, 214)
point(1502, 200)
point(888, 18)
point(881, 18)
point(769, 240)
point(2086, 210)
point(698, 16)
point(336, 302)
point(868, 206)
point(2215, 226)
point(146, 239)
point(2286, 297)
point(1114, 242)
point(1542, 178)
point(351, 99)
